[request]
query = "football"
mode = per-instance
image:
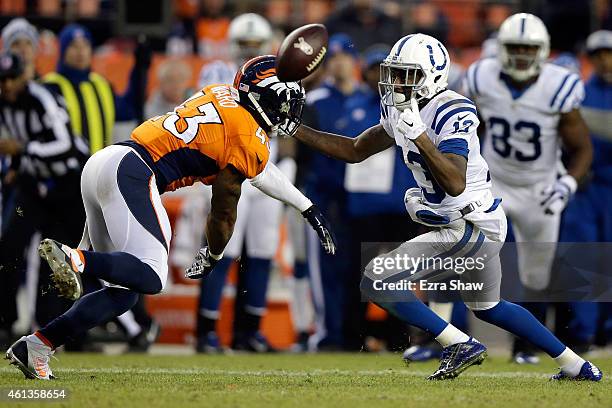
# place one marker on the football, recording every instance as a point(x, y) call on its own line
point(301, 52)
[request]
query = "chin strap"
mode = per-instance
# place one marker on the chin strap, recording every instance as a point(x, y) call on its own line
point(260, 110)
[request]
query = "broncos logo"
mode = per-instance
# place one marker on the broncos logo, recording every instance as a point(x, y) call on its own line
point(264, 74)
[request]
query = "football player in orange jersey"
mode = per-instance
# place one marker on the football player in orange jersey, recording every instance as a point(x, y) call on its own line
point(220, 137)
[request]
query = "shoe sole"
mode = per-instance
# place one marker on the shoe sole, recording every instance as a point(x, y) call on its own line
point(67, 282)
point(476, 360)
point(19, 364)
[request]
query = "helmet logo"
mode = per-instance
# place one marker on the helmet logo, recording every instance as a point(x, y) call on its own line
point(303, 46)
point(264, 74)
point(433, 61)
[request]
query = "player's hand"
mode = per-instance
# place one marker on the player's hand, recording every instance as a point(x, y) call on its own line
point(410, 124)
point(558, 194)
point(318, 222)
point(202, 265)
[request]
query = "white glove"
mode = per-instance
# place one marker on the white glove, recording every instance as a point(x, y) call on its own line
point(556, 196)
point(410, 124)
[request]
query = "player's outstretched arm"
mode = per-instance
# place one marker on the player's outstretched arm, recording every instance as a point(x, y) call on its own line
point(220, 222)
point(575, 136)
point(271, 181)
point(224, 204)
point(350, 150)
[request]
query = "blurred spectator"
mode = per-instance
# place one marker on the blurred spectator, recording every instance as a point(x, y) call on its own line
point(324, 185)
point(92, 105)
point(49, 160)
point(426, 18)
point(586, 218)
point(365, 23)
point(21, 38)
point(375, 200)
point(206, 35)
point(173, 89)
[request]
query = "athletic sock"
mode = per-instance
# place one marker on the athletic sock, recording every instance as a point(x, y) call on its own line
point(90, 311)
point(211, 289)
point(451, 335)
point(570, 362)
point(517, 320)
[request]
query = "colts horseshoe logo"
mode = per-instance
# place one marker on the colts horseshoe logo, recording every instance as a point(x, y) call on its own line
point(433, 61)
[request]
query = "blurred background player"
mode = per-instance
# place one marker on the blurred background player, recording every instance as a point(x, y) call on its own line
point(326, 109)
point(586, 219)
point(529, 109)
point(48, 159)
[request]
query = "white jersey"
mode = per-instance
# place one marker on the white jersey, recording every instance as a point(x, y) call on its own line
point(521, 144)
point(451, 122)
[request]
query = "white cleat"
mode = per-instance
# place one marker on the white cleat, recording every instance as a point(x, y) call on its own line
point(66, 267)
point(31, 356)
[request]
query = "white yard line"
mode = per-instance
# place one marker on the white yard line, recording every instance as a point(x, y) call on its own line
point(281, 373)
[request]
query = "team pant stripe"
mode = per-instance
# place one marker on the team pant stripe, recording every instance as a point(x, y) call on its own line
point(133, 180)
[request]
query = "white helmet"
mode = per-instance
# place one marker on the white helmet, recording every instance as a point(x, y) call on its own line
point(250, 35)
point(522, 29)
point(417, 67)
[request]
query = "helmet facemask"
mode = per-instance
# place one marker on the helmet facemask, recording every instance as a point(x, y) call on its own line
point(400, 82)
point(522, 61)
point(280, 119)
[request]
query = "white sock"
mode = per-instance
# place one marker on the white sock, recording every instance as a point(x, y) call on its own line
point(451, 335)
point(570, 362)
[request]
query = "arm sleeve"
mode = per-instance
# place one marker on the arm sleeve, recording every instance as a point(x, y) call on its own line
point(271, 181)
point(54, 120)
point(575, 96)
point(456, 128)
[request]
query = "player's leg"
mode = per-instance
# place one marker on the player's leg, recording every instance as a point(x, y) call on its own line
point(262, 239)
point(442, 243)
point(520, 322)
point(211, 288)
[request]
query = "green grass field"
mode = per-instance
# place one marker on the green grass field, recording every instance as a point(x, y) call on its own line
point(321, 380)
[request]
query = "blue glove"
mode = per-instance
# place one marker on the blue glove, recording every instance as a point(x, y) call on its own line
point(322, 227)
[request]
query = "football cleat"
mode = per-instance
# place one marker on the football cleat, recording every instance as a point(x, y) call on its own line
point(421, 353)
point(458, 357)
point(209, 344)
point(588, 372)
point(66, 267)
point(143, 340)
point(31, 356)
point(254, 342)
point(525, 357)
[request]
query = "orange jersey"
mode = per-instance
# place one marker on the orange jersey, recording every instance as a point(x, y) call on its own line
point(202, 136)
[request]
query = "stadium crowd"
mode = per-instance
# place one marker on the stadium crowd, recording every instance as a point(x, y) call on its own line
point(69, 77)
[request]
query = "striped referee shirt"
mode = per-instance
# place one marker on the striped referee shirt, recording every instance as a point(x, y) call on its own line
point(39, 121)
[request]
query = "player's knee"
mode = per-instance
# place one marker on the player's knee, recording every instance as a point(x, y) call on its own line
point(124, 299)
point(480, 307)
point(155, 278)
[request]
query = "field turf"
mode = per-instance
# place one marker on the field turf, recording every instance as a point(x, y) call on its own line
point(314, 381)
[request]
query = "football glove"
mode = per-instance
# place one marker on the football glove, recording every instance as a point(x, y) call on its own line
point(556, 196)
point(202, 265)
point(410, 124)
point(322, 227)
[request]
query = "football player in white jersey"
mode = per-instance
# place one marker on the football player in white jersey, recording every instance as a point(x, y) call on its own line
point(436, 130)
point(529, 109)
